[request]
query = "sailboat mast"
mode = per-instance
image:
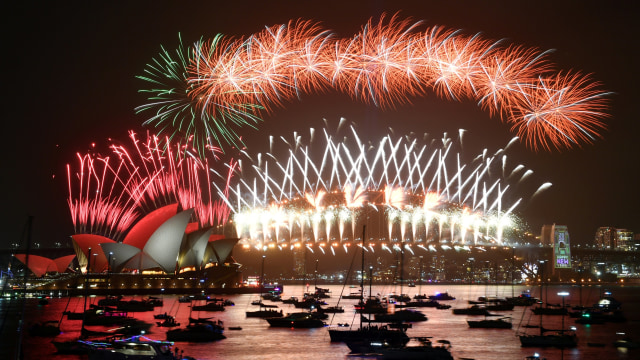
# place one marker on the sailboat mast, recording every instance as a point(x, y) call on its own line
point(364, 227)
point(401, 265)
point(86, 291)
point(262, 280)
point(18, 352)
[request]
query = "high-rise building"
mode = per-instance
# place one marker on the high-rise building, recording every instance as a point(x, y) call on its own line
point(299, 260)
point(605, 238)
point(624, 240)
point(608, 237)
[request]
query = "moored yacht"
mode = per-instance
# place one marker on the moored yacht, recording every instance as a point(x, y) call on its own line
point(135, 348)
point(501, 323)
point(297, 320)
point(422, 349)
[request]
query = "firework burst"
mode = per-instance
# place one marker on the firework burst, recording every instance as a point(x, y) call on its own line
point(404, 190)
point(220, 85)
point(107, 193)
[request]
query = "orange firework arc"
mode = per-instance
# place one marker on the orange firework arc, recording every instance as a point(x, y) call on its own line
point(387, 63)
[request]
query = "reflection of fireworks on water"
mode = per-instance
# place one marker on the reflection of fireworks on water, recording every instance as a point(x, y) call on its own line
point(108, 192)
point(226, 82)
point(405, 191)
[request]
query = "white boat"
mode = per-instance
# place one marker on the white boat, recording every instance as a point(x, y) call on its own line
point(135, 348)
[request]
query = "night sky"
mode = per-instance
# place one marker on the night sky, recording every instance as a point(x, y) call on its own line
point(69, 80)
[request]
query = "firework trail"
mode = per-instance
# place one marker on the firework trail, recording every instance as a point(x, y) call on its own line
point(412, 190)
point(217, 86)
point(107, 193)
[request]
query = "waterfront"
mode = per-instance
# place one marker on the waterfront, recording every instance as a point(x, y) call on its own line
point(257, 340)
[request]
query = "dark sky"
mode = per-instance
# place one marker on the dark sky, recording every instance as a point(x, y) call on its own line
point(69, 80)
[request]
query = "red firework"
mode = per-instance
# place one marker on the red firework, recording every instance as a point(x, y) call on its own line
point(108, 193)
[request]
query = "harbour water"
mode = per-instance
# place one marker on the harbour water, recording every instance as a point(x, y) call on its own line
point(256, 340)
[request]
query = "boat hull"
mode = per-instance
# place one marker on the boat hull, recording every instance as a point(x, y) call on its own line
point(559, 340)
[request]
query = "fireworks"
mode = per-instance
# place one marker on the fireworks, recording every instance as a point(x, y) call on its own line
point(403, 190)
point(226, 83)
point(107, 193)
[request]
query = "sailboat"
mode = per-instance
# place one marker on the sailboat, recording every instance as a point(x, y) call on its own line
point(546, 338)
point(78, 346)
point(548, 309)
point(500, 323)
point(367, 333)
point(266, 311)
point(557, 338)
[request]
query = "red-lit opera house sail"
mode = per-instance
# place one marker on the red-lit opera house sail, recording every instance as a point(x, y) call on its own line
point(194, 246)
point(38, 265)
point(142, 231)
point(82, 243)
point(159, 251)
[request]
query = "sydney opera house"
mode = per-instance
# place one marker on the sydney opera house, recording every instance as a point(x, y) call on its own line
point(162, 253)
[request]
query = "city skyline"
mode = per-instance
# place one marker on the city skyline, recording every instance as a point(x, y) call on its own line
point(85, 92)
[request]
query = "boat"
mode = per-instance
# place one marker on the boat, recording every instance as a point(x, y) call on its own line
point(441, 296)
point(296, 320)
point(76, 347)
point(550, 309)
point(500, 323)
point(373, 305)
point(198, 330)
point(45, 328)
point(366, 333)
point(596, 316)
point(320, 293)
point(496, 304)
point(209, 306)
point(400, 297)
point(104, 316)
point(154, 301)
point(137, 347)
point(135, 327)
point(401, 316)
point(353, 295)
point(110, 301)
point(262, 304)
point(291, 300)
point(524, 299)
point(264, 313)
point(169, 321)
point(472, 310)
point(161, 316)
point(422, 349)
point(394, 336)
point(332, 309)
point(190, 298)
point(560, 339)
point(550, 338)
point(309, 302)
point(423, 303)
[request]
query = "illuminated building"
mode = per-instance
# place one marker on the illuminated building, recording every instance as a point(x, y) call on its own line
point(546, 235)
point(610, 238)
